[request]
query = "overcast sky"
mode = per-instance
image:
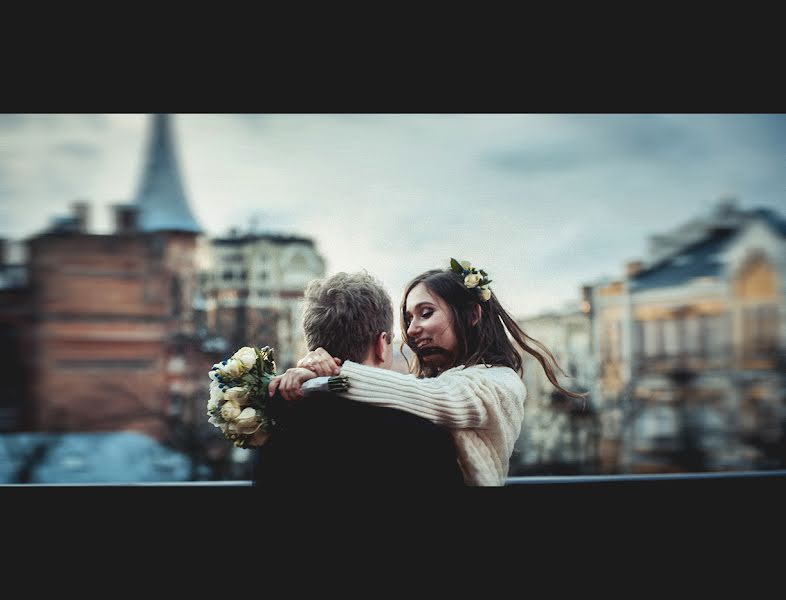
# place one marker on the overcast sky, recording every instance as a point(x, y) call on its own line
point(544, 203)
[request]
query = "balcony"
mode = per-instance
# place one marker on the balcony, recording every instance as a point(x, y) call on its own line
point(663, 364)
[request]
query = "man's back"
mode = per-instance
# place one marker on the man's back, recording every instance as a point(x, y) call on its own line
point(331, 442)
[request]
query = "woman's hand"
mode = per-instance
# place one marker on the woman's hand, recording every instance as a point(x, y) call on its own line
point(321, 363)
point(290, 382)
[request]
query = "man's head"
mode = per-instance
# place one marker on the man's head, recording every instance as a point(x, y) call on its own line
point(350, 315)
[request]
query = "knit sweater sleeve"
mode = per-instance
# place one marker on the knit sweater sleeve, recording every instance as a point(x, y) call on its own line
point(459, 398)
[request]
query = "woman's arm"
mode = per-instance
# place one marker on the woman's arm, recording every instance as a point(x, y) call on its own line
point(289, 384)
point(458, 398)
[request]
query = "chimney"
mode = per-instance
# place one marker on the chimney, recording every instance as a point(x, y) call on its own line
point(586, 299)
point(726, 206)
point(81, 212)
point(633, 268)
point(126, 216)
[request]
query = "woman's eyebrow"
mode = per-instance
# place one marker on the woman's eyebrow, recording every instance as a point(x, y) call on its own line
point(418, 305)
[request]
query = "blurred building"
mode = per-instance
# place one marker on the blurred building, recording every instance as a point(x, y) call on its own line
point(106, 319)
point(16, 317)
point(690, 348)
point(252, 293)
point(117, 332)
point(559, 434)
point(74, 458)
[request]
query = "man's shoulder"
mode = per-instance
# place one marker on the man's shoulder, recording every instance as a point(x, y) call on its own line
point(345, 443)
point(331, 408)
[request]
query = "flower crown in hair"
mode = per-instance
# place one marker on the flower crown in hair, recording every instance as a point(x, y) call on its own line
point(473, 278)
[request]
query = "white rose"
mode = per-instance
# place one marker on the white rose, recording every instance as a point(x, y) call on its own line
point(216, 393)
point(238, 395)
point(233, 369)
point(247, 356)
point(230, 411)
point(485, 293)
point(215, 422)
point(246, 421)
point(211, 405)
point(465, 264)
point(472, 280)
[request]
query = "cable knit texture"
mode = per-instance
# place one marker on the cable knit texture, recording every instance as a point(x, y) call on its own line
point(482, 406)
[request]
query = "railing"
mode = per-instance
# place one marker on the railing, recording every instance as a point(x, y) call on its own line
point(673, 477)
point(537, 480)
point(645, 364)
point(725, 359)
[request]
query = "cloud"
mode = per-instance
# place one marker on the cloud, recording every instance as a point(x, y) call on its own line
point(77, 150)
point(546, 202)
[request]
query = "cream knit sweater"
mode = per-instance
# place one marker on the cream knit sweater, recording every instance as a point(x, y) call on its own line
point(482, 406)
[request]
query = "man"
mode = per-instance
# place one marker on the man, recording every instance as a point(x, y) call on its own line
point(332, 442)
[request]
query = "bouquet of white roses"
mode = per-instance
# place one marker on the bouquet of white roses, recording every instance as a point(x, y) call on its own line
point(239, 404)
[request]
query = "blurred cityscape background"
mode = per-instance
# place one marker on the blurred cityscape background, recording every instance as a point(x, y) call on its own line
point(107, 336)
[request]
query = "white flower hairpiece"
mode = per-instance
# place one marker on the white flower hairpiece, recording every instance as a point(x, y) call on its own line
point(473, 278)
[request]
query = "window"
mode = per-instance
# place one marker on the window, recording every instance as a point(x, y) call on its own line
point(760, 329)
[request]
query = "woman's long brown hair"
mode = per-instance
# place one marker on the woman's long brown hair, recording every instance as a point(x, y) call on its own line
point(485, 342)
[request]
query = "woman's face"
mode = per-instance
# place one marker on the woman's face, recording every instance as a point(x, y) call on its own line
point(430, 327)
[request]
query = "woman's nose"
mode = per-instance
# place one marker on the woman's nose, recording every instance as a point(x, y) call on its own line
point(412, 328)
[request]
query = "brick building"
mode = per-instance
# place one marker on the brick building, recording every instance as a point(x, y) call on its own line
point(100, 327)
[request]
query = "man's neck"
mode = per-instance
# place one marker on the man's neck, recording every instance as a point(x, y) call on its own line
point(371, 361)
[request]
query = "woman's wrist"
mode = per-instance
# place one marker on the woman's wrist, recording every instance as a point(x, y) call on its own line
point(333, 383)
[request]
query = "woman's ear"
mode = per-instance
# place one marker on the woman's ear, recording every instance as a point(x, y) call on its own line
point(476, 314)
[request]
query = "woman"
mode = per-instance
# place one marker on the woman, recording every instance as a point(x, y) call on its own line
point(466, 373)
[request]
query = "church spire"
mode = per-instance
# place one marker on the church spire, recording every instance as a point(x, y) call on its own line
point(160, 198)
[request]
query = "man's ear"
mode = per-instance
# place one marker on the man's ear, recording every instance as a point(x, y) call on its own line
point(380, 345)
point(477, 311)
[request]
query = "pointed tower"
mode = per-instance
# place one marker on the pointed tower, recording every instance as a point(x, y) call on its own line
point(160, 198)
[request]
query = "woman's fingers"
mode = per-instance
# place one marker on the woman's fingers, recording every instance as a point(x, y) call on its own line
point(320, 362)
point(274, 384)
point(291, 387)
point(290, 383)
point(284, 384)
point(326, 363)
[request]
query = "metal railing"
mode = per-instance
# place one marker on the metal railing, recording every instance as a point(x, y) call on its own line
point(544, 480)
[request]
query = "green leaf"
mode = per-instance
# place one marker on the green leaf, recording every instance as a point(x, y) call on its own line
point(455, 266)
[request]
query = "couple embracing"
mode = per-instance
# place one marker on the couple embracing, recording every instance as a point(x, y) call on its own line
point(451, 422)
